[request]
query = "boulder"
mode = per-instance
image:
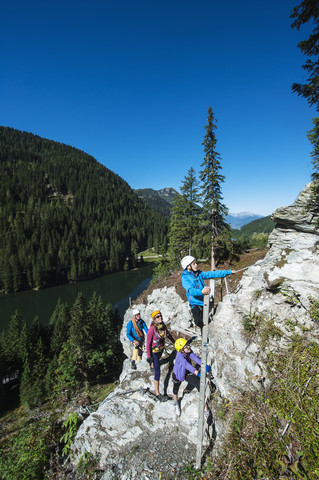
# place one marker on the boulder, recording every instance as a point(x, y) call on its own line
point(302, 216)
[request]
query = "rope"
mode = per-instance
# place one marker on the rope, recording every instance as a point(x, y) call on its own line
point(245, 268)
point(109, 397)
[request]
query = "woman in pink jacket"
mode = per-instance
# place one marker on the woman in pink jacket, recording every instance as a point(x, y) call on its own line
point(155, 343)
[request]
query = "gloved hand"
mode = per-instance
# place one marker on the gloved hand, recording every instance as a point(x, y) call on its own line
point(149, 360)
point(208, 369)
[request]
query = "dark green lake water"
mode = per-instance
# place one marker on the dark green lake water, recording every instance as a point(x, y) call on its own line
point(116, 289)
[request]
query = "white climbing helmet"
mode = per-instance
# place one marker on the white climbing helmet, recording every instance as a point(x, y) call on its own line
point(187, 261)
point(136, 312)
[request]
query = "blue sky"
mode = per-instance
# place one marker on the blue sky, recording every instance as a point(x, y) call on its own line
point(130, 83)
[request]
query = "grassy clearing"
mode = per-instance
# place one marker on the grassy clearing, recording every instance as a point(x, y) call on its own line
point(149, 255)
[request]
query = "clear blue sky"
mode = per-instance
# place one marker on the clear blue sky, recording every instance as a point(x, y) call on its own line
point(130, 82)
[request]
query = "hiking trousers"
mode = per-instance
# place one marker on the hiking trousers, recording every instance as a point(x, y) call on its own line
point(137, 352)
point(191, 379)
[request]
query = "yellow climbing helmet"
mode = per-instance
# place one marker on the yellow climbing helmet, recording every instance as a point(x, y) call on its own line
point(180, 344)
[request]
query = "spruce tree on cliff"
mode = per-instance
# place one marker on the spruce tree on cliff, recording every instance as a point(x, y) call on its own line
point(307, 11)
point(303, 13)
point(214, 211)
point(185, 217)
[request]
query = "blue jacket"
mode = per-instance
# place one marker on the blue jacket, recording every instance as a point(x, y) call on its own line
point(181, 365)
point(194, 283)
point(130, 330)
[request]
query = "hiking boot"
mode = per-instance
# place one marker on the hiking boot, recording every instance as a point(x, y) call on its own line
point(161, 398)
point(133, 365)
point(177, 410)
point(206, 415)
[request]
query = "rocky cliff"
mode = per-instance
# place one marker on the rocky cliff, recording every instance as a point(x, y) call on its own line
point(136, 437)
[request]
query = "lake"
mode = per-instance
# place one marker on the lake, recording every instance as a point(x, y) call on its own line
point(115, 288)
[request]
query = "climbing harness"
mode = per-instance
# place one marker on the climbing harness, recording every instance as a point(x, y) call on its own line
point(159, 344)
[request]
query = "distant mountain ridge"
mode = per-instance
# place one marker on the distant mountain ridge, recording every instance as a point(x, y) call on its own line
point(263, 225)
point(238, 220)
point(160, 200)
point(167, 193)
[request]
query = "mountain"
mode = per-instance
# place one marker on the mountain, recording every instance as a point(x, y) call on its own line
point(64, 217)
point(260, 225)
point(160, 200)
point(167, 193)
point(237, 220)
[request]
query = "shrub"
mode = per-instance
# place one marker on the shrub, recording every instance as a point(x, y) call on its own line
point(25, 455)
point(274, 433)
point(314, 309)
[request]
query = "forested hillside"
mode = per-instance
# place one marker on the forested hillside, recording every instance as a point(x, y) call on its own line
point(65, 217)
point(158, 200)
point(261, 225)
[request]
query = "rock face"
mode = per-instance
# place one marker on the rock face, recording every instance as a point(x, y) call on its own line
point(277, 287)
point(136, 437)
point(133, 435)
point(302, 216)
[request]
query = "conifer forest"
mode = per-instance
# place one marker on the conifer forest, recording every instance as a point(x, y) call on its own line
point(64, 217)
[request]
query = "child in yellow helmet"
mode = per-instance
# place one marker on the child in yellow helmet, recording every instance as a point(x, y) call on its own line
point(184, 370)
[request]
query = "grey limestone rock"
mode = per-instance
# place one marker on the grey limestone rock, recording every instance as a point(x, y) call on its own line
point(302, 216)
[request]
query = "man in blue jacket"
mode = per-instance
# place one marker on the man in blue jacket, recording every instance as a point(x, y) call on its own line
point(193, 282)
point(135, 334)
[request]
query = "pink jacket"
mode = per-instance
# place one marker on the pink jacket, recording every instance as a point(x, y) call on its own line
point(153, 340)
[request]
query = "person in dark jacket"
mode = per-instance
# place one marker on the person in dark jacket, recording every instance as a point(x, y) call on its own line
point(135, 334)
point(193, 282)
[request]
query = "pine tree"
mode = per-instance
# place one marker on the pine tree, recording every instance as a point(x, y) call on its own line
point(25, 391)
point(307, 11)
point(67, 372)
point(97, 320)
point(60, 324)
point(113, 346)
point(184, 223)
point(313, 136)
point(134, 252)
point(303, 13)
point(214, 211)
point(39, 369)
point(14, 343)
point(80, 331)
